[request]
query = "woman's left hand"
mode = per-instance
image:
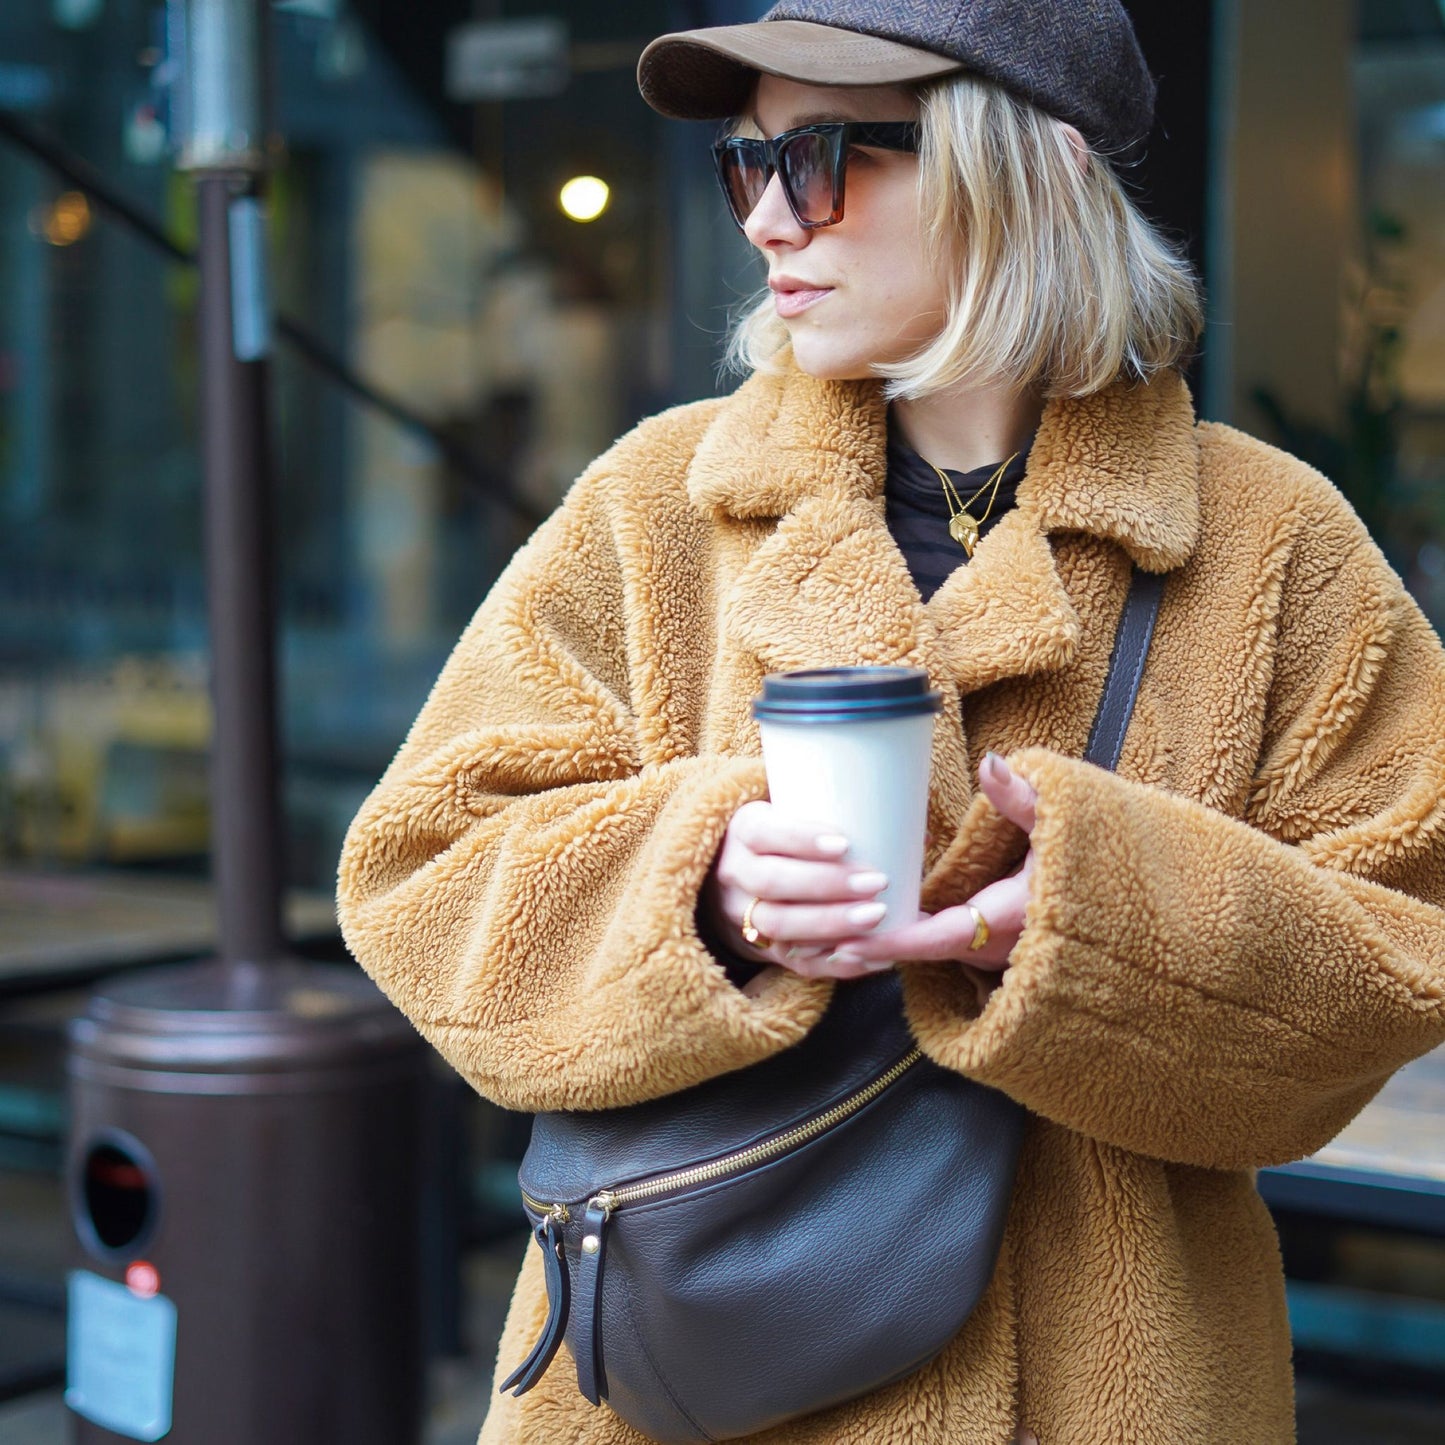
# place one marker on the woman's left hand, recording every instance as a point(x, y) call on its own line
point(949, 933)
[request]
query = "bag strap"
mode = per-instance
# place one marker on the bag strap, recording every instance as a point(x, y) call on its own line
point(1126, 669)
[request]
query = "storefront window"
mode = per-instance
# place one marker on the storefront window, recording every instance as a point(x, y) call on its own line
point(1395, 352)
point(1328, 266)
point(420, 235)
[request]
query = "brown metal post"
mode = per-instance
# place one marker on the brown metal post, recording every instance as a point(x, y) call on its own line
point(246, 835)
point(245, 1151)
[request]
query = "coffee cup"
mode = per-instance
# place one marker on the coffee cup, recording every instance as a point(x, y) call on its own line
point(851, 748)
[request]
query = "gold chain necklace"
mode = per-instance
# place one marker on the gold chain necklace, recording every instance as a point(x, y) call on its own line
point(961, 526)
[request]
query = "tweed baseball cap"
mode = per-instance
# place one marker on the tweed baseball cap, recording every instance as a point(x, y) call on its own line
point(1078, 60)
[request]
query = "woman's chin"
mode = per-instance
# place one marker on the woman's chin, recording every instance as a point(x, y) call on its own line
point(828, 365)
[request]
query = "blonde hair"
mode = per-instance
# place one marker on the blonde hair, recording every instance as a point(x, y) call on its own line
point(1054, 277)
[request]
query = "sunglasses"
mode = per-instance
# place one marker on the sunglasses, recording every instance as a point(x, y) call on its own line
point(811, 161)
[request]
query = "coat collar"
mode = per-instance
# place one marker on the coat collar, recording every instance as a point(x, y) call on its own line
point(1123, 464)
point(826, 586)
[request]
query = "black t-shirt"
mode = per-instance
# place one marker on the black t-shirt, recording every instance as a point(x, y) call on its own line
point(918, 512)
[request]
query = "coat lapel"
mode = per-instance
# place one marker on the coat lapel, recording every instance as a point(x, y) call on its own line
point(1006, 614)
point(1122, 465)
point(828, 588)
point(785, 436)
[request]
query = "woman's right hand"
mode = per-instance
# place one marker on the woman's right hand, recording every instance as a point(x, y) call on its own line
point(809, 899)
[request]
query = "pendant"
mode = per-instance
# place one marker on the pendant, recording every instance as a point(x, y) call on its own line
point(964, 530)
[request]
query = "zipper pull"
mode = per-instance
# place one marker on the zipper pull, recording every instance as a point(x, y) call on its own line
point(587, 1319)
point(548, 1235)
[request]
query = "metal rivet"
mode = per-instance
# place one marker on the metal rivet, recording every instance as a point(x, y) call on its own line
point(591, 1244)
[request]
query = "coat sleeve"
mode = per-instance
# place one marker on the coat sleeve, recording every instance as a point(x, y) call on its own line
point(1230, 992)
point(523, 880)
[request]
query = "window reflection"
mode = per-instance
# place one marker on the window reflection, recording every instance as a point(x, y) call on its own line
point(423, 241)
point(1397, 365)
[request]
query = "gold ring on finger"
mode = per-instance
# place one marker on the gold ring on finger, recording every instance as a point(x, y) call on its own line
point(751, 932)
point(981, 930)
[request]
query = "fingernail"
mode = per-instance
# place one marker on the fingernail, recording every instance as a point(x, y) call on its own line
point(995, 767)
point(844, 955)
point(879, 965)
point(834, 843)
point(867, 882)
point(866, 914)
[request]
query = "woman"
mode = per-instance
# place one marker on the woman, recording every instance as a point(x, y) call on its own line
point(1203, 963)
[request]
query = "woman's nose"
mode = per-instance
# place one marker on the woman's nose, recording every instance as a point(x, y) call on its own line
point(772, 222)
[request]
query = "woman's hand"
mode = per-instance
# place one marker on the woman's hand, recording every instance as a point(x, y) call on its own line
point(809, 900)
point(816, 910)
point(949, 934)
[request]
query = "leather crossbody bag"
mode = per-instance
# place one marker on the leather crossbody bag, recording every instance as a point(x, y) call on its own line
point(793, 1234)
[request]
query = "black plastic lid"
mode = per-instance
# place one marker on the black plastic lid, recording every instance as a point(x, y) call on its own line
point(846, 694)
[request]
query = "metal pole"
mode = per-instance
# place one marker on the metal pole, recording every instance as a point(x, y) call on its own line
point(279, 1192)
point(246, 828)
point(223, 140)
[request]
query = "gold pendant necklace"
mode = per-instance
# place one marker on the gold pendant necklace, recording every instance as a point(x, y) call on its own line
point(961, 525)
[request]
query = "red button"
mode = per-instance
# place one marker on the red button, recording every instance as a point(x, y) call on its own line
point(143, 1279)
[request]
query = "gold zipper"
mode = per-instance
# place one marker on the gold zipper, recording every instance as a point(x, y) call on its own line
point(612, 1199)
point(559, 1212)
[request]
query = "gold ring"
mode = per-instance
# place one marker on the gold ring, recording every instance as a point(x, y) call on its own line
point(751, 932)
point(981, 930)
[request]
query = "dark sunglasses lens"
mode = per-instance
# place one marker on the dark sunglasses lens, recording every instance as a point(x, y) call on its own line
point(745, 177)
point(806, 162)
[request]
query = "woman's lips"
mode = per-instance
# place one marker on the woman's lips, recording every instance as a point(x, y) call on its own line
point(794, 303)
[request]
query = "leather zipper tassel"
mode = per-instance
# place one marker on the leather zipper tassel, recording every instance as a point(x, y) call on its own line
point(548, 1235)
point(587, 1324)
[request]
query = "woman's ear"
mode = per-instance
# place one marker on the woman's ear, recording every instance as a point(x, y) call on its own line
point(1078, 145)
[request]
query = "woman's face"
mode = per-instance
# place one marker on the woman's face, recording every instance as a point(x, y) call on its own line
point(861, 292)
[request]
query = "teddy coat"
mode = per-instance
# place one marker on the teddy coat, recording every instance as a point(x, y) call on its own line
point(1229, 945)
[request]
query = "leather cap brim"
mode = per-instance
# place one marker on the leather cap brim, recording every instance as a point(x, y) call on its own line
point(709, 74)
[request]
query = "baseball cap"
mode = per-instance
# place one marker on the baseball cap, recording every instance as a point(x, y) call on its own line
point(1078, 60)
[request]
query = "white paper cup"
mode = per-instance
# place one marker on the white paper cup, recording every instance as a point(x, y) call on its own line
point(851, 748)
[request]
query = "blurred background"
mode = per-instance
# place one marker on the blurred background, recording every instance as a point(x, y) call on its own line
point(489, 259)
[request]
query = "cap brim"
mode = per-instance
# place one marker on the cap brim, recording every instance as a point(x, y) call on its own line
point(709, 74)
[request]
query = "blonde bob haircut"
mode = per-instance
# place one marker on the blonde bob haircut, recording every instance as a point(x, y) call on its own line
point(1054, 278)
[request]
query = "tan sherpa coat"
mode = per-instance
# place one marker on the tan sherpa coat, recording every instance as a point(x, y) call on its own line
point(1230, 943)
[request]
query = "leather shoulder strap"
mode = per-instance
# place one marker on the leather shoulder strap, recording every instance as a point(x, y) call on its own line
point(1126, 668)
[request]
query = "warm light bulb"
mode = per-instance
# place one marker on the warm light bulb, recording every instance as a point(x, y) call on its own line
point(584, 198)
point(68, 219)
